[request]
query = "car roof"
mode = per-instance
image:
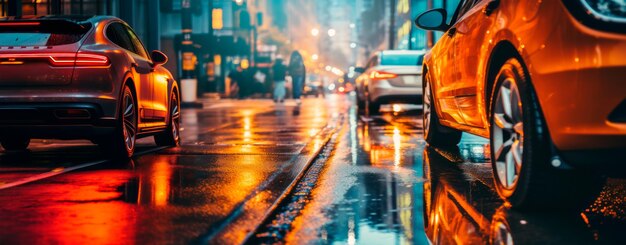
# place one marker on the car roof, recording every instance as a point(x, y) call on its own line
point(73, 18)
point(79, 19)
point(402, 52)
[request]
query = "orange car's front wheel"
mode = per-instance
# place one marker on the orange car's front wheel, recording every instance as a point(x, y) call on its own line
point(520, 149)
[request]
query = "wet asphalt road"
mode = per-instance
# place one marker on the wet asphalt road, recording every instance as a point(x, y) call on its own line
point(236, 160)
point(370, 181)
point(381, 184)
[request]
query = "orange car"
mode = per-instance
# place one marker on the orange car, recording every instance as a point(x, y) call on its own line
point(545, 81)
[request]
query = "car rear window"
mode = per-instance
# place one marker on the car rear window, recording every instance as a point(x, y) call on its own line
point(402, 59)
point(41, 33)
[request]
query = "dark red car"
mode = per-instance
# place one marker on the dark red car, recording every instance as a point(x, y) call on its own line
point(91, 78)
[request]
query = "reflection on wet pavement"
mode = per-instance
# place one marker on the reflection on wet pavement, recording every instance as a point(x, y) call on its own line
point(384, 185)
point(377, 183)
point(466, 210)
point(368, 190)
point(215, 188)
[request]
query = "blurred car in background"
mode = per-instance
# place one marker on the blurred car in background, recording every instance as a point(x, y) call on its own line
point(74, 77)
point(314, 88)
point(340, 86)
point(544, 81)
point(390, 76)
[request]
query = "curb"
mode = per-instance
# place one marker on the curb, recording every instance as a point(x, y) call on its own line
point(268, 214)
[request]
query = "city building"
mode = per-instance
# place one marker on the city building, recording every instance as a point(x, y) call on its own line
point(347, 32)
point(219, 40)
point(388, 24)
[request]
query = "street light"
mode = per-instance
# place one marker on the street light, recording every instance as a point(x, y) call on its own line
point(332, 32)
point(315, 32)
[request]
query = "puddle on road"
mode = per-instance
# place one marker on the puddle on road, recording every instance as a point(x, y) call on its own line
point(246, 149)
point(369, 190)
point(385, 186)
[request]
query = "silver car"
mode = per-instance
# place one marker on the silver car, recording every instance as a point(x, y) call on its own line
point(390, 76)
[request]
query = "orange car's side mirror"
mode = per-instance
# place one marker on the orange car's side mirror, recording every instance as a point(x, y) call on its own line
point(433, 20)
point(158, 57)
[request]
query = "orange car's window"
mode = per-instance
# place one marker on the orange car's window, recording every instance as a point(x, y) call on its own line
point(463, 7)
point(138, 46)
point(117, 35)
point(466, 7)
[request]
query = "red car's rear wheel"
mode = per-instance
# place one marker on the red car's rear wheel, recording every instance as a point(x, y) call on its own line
point(122, 144)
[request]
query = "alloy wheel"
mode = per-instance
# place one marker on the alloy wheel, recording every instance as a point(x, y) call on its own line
point(130, 121)
point(427, 108)
point(508, 134)
point(175, 115)
point(501, 234)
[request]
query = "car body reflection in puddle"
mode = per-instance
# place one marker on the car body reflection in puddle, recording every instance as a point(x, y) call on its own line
point(401, 191)
point(385, 202)
point(461, 209)
point(379, 162)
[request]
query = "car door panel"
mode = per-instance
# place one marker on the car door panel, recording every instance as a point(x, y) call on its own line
point(161, 91)
point(117, 33)
point(472, 27)
point(443, 79)
point(142, 68)
point(158, 101)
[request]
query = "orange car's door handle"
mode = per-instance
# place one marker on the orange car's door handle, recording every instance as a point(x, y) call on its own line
point(491, 6)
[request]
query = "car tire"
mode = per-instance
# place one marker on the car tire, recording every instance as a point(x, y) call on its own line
point(435, 133)
point(373, 108)
point(122, 144)
point(171, 135)
point(15, 143)
point(360, 105)
point(521, 150)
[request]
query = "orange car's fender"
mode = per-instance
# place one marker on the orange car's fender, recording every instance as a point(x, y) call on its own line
point(496, 44)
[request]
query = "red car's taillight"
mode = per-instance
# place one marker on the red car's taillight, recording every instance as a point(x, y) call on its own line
point(62, 59)
point(380, 75)
point(78, 60)
point(14, 24)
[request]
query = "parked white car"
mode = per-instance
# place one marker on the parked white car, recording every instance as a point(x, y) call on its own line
point(390, 76)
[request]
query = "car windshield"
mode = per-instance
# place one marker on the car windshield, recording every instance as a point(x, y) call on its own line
point(402, 59)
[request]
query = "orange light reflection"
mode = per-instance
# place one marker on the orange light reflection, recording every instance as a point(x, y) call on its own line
point(397, 146)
